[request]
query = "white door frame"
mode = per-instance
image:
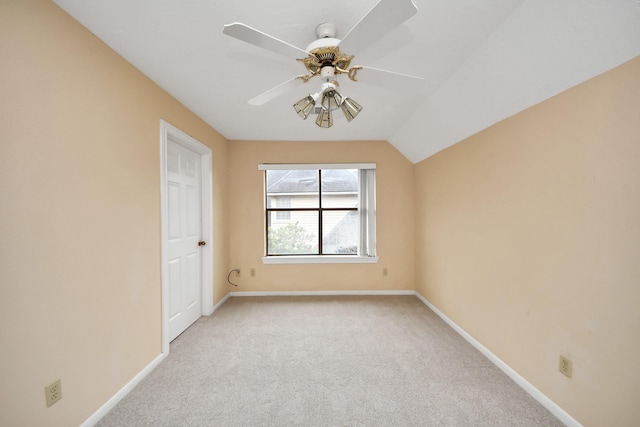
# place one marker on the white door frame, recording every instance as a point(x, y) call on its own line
point(169, 132)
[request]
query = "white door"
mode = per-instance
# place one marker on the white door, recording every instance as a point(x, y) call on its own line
point(184, 223)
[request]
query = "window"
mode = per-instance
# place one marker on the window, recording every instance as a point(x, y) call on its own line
point(283, 202)
point(319, 212)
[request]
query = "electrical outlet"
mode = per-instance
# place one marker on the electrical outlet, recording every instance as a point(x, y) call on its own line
point(53, 392)
point(252, 272)
point(385, 272)
point(565, 367)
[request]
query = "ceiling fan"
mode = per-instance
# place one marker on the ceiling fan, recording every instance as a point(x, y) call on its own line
point(326, 57)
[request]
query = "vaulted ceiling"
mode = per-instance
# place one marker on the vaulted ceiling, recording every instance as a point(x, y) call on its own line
point(482, 61)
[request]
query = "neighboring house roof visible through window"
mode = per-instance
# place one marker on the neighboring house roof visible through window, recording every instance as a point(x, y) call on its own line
point(305, 181)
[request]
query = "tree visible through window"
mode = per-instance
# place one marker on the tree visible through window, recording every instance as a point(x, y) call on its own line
point(318, 212)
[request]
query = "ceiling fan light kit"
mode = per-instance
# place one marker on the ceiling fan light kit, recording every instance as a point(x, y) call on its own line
point(323, 58)
point(330, 100)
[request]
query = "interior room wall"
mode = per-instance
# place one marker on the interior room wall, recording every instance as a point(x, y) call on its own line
point(80, 288)
point(394, 207)
point(528, 236)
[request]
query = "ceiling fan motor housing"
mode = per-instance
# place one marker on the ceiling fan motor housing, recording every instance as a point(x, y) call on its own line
point(322, 43)
point(324, 53)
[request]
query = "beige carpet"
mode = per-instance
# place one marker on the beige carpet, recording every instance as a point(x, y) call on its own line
point(326, 361)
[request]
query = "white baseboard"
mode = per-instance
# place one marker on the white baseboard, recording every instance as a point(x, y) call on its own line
point(219, 304)
point(549, 404)
point(104, 409)
point(316, 293)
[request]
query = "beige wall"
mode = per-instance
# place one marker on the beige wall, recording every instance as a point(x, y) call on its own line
point(528, 237)
point(394, 188)
point(80, 284)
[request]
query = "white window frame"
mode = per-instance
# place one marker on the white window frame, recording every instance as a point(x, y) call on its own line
point(366, 210)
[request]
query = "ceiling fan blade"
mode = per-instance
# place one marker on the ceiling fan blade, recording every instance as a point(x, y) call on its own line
point(381, 20)
point(389, 79)
point(276, 91)
point(258, 38)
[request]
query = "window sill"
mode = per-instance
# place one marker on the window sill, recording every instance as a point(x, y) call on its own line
point(323, 259)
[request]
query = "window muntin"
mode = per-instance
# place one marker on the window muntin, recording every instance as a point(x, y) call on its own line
point(320, 202)
point(323, 202)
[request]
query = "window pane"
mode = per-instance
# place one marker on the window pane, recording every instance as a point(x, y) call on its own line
point(283, 202)
point(340, 232)
point(300, 186)
point(297, 236)
point(339, 188)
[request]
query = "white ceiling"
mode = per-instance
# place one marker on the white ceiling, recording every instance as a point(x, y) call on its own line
point(482, 61)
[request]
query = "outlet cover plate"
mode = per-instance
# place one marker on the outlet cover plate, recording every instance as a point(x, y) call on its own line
point(565, 366)
point(53, 392)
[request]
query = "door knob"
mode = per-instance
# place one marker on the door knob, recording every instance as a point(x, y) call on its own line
point(202, 243)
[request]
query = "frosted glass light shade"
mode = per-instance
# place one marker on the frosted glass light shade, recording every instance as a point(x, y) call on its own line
point(325, 118)
point(304, 106)
point(350, 108)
